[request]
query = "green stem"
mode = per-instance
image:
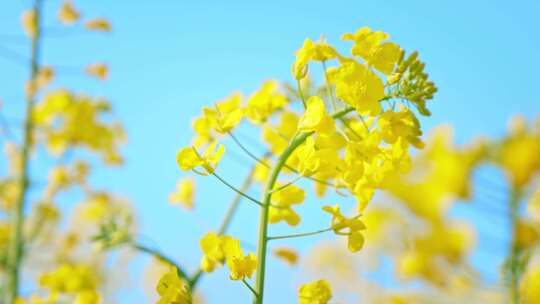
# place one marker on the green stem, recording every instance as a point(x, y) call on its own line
point(267, 196)
point(515, 267)
point(16, 242)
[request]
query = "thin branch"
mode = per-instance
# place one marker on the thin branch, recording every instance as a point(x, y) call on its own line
point(250, 288)
point(262, 162)
point(289, 236)
point(237, 190)
point(299, 177)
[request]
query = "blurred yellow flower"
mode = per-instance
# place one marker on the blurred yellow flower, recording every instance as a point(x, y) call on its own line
point(172, 289)
point(530, 285)
point(318, 292)
point(184, 193)
point(29, 23)
point(264, 102)
point(98, 24)
point(288, 255)
point(225, 115)
point(67, 13)
point(98, 70)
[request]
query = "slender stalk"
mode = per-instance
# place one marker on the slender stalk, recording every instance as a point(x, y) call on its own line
point(297, 235)
point(16, 242)
point(194, 279)
point(514, 266)
point(250, 288)
point(299, 177)
point(246, 150)
point(267, 197)
point(238, 191)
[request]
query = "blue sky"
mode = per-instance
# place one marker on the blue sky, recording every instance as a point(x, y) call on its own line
point(169, 58)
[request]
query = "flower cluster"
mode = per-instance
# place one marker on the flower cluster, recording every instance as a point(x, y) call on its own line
point(352, 135)
point(79, 281)
point(68, 120)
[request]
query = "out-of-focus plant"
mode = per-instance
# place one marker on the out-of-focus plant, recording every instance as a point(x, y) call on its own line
point(68, 129)
point(428, 246)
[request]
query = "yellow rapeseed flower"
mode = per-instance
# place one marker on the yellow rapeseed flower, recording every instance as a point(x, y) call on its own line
point(225, 115)
point(351, 227)
point(189, 158)
point(264, 102)
point(359, 87)
point(316, 51)
point(241, 267)
point(369, 45)
point(284, 199)
point(315, 119)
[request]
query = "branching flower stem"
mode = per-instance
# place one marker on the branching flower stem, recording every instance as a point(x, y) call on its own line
point(266, 199)
point(16, 244)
